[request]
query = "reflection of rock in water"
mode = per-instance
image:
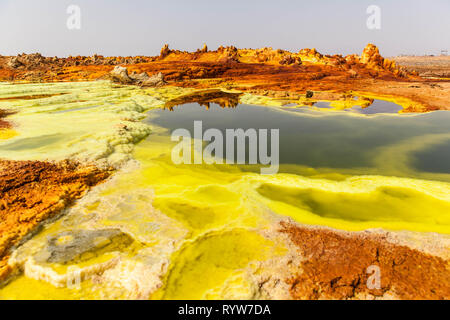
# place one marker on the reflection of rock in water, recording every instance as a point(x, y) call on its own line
point(204, 98)
point(4, 114)
point(69, 246)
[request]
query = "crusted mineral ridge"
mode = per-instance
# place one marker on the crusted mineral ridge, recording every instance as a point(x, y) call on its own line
point(120, 75)
point(69, 246)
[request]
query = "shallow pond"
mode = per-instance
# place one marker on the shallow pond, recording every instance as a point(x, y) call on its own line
point(403, 145)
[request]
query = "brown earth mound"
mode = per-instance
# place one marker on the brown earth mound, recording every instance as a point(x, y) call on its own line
point(335, 267)
point(32, 191)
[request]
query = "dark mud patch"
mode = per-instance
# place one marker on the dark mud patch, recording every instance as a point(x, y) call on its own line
point(3, 123)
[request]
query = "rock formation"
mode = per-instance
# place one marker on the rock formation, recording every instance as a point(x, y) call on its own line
point(372, 58)
point(14, 63)
point(120, 74)
point(154, 81)
point(165, 51)
point(289, 59)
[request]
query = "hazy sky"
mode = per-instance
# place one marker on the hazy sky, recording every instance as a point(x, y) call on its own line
point(138, 27)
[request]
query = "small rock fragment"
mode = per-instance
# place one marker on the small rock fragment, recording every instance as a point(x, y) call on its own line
point(120, 74)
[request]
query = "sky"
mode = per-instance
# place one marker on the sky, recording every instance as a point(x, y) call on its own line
point(139, 27)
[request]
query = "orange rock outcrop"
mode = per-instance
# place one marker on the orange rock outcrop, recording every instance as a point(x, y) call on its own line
point(260, 71)
point(372, 58)
point(33, 191)
point(335, 266)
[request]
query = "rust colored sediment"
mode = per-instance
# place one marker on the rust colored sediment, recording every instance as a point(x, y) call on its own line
point(266, 71)
point(3, 123)
point(335, 267)
point(32, 191)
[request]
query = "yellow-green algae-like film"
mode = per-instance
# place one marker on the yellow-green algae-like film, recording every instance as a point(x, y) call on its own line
point(164, 231)
point(83, 120)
